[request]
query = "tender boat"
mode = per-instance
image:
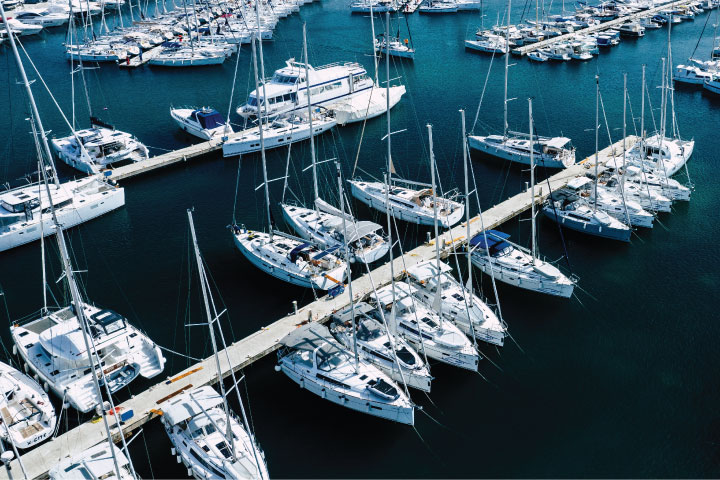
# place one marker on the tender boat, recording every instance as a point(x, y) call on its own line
point(27, 415)
point(317, 362)
point(53, 348)
point(204, 123)
point(391, 354)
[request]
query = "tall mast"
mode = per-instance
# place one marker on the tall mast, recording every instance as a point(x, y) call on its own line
point(642, 109)
point(33, 106)
point(64, 255)
point(467, 205)
point(533, 243)
point(597, 134)
point(663, 103)
point(507, 66)
point(347, 259)
point(312, 136)
point(624, 125)
point(262, 58)
point(372, 29)
point(262, 138)
point(387, 97)
point(203, 285)
point(435, 213)
point(187, 21)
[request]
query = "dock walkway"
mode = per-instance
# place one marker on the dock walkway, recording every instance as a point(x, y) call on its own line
point(147, 404)
point(141, 59)
point(525, 49)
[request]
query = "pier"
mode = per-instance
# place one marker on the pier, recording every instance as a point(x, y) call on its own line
point(142, 59)
point(525, 49)
point(148, 404)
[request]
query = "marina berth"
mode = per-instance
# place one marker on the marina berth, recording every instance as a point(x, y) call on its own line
point(317, 362)
point(388, 352)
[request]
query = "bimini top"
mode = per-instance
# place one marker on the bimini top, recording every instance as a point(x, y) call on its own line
point(426, 270)
point(208, 118)
point(192, 404)
point(557, 142)
point(311, 336)
point(494, 238)
point(326, 252)
point(361, 308)
point(296, 251)
point(357, 230)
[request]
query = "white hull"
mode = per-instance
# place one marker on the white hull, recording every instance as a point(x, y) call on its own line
point(369, 104)
point(93, 205)
point(497, 150)
point(249, 140)
point(510, 277)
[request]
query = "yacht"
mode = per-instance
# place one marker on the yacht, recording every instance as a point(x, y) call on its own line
point(287, 89)
point(28, 417)
point(414, 206)
point(496, 256)
point(365, 105)
point(292, 260)
point(693, 74)
point(53, 348)
point(44, 18)
point(97, 462)
point(204, 123)
point(666, 156)
point(317, 362)
point(580, 216)
point(667, 187)
point(97, 52)
point(537, 56)
point(548, 152)
point(279, 132)
point(99, 147)
point(439, 290)
point(20, 28)
point(488, 44)
point(438, 6)
point(389, 353)
point(175, 54)
point(394, 48)
point(374, 6)
point(324, 226)
point(423, 328)
point(610, 195)
point(25, 215)
point(197, 425)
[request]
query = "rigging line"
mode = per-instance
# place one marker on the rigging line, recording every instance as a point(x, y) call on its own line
point(237, 185)
point(232, 89)
point(692, 55)
point(180, 354)
point(482, 94)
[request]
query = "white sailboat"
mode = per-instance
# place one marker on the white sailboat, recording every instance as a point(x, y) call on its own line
point(550, 152)
point(282, 256)
point(410, 205)
point(206, 435)
point(495, 255)
point(96, 462)
point(322, 223)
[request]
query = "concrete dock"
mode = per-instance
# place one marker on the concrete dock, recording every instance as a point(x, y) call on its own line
point(142, 59)
point(525, 49)
point(148, 404)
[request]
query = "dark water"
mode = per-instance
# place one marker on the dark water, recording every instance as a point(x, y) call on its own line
point(619, 382)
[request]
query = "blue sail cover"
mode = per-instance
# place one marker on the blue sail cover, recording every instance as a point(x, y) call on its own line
point(295, 251)
point(326, 252)
point(209, 119)
point(494, 238)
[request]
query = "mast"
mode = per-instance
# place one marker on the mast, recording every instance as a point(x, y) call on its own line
point(435, 216)
point(262, 139)
point(187, 21)
point(467, 208)
point(391, 168)
point(33, 106)
point(312, 136)
point(203, 285)
point(262, 58)
point(597, 135)
point(507, 66)
point(642, 109)
point(533, 244)
point(372, 29)
point(347, 259)
point(64, 255)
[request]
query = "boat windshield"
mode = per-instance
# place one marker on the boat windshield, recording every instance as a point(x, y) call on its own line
point(278, 78)
point(79, 471)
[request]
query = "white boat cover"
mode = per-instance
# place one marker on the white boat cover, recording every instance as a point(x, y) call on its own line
point(557, 142)
point(426, 270)
point(203, 399)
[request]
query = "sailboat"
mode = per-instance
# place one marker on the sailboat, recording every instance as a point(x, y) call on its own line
point(311, 357)
point(95, 462)
point(206, 435)
point(283, 256)
point(414, 206)
point(550, 152)
point(322, 223)
point(394, 45)
point(495, 255)
point(97, 370)
point(582, 214)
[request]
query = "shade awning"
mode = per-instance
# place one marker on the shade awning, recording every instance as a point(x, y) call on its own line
point(192, 404)
point(493, 238)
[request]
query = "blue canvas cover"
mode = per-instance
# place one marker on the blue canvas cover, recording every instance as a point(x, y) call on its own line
point(295, 251)
point(209, 119)
point(326, 252)
point(494, 237)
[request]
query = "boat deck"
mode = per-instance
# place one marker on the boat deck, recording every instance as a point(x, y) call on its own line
point(525, 49)
point(147, 404)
